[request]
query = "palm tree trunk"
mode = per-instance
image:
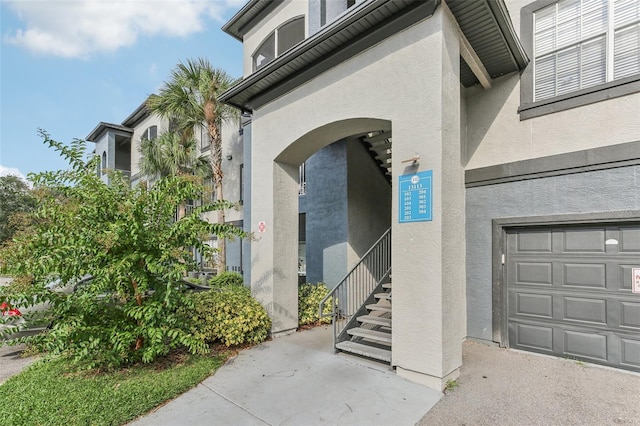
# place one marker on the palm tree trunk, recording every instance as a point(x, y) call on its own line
point(216, 165)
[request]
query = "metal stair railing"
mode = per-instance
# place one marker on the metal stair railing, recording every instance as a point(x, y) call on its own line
point(356, 288)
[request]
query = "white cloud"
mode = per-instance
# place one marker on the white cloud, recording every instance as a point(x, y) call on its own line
point(6, 171)
point(79, 28)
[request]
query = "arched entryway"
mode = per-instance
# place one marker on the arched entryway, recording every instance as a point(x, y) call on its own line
point(347, 206)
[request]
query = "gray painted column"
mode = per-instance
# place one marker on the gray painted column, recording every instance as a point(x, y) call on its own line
point(246, 208)
point(275, 252)
point(428, 257)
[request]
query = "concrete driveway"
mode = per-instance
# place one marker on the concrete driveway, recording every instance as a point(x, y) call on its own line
point(506, 387)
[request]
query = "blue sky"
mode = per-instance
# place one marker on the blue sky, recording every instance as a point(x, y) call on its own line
point(67, 65)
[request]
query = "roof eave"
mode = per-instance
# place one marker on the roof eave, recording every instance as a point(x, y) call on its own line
point(138, 114)
point(501, 13)
point(103, 127)
point(247, 16)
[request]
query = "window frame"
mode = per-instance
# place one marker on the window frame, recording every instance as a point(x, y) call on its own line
point(601, 92)
point(241, 179)
point(274, 33)
point(146, 134)
point(204, 134)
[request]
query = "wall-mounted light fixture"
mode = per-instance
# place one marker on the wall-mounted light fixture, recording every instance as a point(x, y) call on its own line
point(229, 157)
point(413, 160)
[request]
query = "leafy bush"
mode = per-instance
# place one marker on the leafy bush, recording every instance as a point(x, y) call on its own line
point(229, 315)
point(226, 279)
point(309, 297)
point(128, 240)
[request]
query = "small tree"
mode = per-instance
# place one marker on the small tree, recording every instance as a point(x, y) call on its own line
point(127, 240)
point(15, 199)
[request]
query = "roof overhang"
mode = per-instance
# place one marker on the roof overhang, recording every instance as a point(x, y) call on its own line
point(485, 24)
point(136, 116)
point(248, 16)
point(103, 127)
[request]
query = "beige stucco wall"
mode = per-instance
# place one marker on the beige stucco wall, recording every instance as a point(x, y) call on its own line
point(151, 120)
point(282, 13)
point(429, 312)
point(231, 145)
point(496, 134)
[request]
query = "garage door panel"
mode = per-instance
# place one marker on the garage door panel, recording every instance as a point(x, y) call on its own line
point(630, 315)
point(584, 275)
point(630, 352)
point(585, 345)
point(540, 305)
point(582, 241)
point(585, 309)
point(535, 337)
point(534, 273)
point(534, 242)
point(629, 240)
point(624, 278)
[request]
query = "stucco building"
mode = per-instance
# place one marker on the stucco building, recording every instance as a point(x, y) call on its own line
point(497, 141)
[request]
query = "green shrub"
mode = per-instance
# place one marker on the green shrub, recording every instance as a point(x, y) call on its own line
point(128, 240)
point(309, 297)
point(229, 315)
point(226, 279)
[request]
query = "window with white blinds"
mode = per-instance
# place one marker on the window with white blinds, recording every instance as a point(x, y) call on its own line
point(583, 43)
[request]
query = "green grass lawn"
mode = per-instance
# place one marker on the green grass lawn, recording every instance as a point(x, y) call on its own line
point(49, 394)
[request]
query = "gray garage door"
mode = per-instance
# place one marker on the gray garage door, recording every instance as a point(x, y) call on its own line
point(569, 293)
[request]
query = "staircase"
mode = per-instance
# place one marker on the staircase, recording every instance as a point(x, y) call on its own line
point(379, 145)
point(372, 338)
point(361, 305)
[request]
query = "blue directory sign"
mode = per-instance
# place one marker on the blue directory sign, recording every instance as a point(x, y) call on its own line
point(415, 197)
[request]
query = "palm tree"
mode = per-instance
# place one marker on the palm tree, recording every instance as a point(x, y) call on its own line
point(171, 154)
point(190, 98)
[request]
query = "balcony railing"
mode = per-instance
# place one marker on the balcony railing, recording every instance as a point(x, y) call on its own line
point(125, 173)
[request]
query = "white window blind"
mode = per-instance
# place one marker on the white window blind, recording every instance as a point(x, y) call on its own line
point(583, 43)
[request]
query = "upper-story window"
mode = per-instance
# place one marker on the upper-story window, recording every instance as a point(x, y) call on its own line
point(583, 43)
point(150, 133)
point(205, 140)
point(579, 47)
point(282, 39)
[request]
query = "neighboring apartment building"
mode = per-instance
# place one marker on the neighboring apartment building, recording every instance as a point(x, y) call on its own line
point(498, 140)
point(118, 146)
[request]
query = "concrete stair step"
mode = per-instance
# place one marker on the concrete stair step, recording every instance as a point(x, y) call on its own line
point(375, 335)
point(365, 350)
point(379, 307)
point(386, 285)
point(371, 319)
point(386, 296)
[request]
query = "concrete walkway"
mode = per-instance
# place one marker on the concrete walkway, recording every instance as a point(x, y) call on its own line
point(298, 380)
